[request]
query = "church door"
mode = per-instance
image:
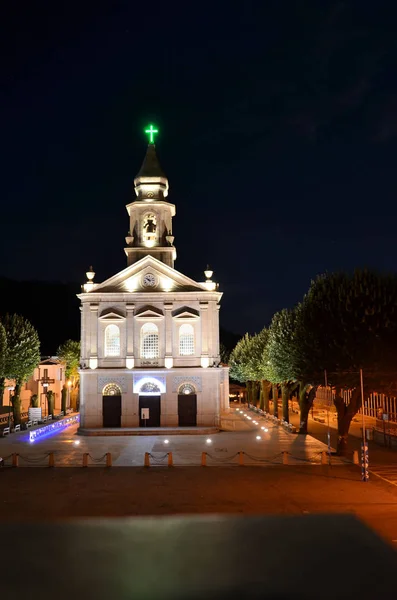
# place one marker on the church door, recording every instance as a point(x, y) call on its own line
point(151, 404)
point(111, 409)
point(187, 410)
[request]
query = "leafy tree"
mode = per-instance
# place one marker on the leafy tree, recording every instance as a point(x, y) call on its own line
point(22, 357)
point(3, 356)
point(69, 353)
point(284, 354)
point(249, 365)
point(348, 322)
point(224, 354)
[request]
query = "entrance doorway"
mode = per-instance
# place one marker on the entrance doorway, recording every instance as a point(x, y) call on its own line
point(152, 406)
point(111, 409)
point(187, 410)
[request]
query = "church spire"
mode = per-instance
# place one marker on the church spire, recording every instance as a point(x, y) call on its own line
point(150, 166)
point(150, 230)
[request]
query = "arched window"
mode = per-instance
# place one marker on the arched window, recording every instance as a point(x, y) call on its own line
point(111, 389)
point(186, 340)
point(112, 340)
point(149, 341)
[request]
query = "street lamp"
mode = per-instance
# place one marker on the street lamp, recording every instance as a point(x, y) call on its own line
point(10, 388)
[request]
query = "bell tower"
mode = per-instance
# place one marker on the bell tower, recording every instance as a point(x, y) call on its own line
point(150, 214)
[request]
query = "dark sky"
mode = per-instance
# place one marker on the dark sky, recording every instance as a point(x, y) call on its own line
point(278, 126)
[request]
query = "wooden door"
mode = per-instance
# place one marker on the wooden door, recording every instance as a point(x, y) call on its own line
point(111, 410)
point(187, 410)
point(152, 403)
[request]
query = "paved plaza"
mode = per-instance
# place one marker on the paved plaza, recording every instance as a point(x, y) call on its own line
point(260, 448)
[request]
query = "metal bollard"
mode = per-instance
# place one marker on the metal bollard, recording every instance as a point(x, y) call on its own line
point(15, 460)
point(241, 459)
point(285, 457)
point(85, 459)
point(51, 460)
point(203, 459)
point(355, 457)
point(108, 459)
point(170, 461)
point(147, 460)
point(324, 460)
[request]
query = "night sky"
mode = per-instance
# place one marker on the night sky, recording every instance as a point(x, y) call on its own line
point(278, 134)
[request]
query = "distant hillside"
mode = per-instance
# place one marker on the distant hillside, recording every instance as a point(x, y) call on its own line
point(53, 308)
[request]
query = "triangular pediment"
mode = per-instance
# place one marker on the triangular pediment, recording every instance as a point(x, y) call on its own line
point(111, 315)
point(186, 313)
point(132, 279)
point(149, 312)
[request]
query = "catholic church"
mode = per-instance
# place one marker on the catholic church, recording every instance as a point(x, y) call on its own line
point(149, 334)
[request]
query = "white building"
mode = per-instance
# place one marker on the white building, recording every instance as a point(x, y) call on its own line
point(149, 334)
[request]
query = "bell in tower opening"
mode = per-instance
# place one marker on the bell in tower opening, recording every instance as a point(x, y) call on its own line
point(149, 230)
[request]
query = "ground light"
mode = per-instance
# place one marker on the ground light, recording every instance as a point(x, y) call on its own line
point(166, 441)
point(77, 442)
point(258, 437)
point(208, 441)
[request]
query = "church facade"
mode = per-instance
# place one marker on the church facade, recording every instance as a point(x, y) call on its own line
point(149, 334)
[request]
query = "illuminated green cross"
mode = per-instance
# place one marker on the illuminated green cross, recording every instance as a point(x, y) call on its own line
point(151, 131)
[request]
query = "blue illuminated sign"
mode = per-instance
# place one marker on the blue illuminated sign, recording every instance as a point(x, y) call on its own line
point(53, 428)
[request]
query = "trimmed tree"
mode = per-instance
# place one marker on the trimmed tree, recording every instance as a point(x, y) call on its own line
point(348, 322)
point(34, 401)
point(281, 352)
point(69, 353)
point(22, 357)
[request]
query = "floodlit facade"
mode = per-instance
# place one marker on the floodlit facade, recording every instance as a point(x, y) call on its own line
point(149, 334)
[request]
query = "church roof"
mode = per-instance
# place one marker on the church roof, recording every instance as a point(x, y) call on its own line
point(151, 166)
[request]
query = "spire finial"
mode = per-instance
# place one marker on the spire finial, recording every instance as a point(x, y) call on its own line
point(151, 131)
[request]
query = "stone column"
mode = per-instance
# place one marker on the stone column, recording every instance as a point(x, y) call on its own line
point(94, 330)
point(204, 328)
point(216, 331)
point(168, 325)
point(129, 332)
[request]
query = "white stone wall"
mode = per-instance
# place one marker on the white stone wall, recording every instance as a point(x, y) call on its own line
point(211, 387)
point(95, 319)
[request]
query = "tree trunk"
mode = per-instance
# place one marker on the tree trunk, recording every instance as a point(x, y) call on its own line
point(285, 399)
point(265, 395)
point(275, 400)
point(2, 386)
point(260, 396)
point(16, 404)
point(306, 399)
point(258, 392)
point(50, 402)
point(345, 413)
point(74, 392)
point(64, 396)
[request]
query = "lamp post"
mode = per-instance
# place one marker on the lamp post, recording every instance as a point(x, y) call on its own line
point(10, 388)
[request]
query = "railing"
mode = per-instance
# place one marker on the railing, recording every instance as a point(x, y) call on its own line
point(4, 418)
